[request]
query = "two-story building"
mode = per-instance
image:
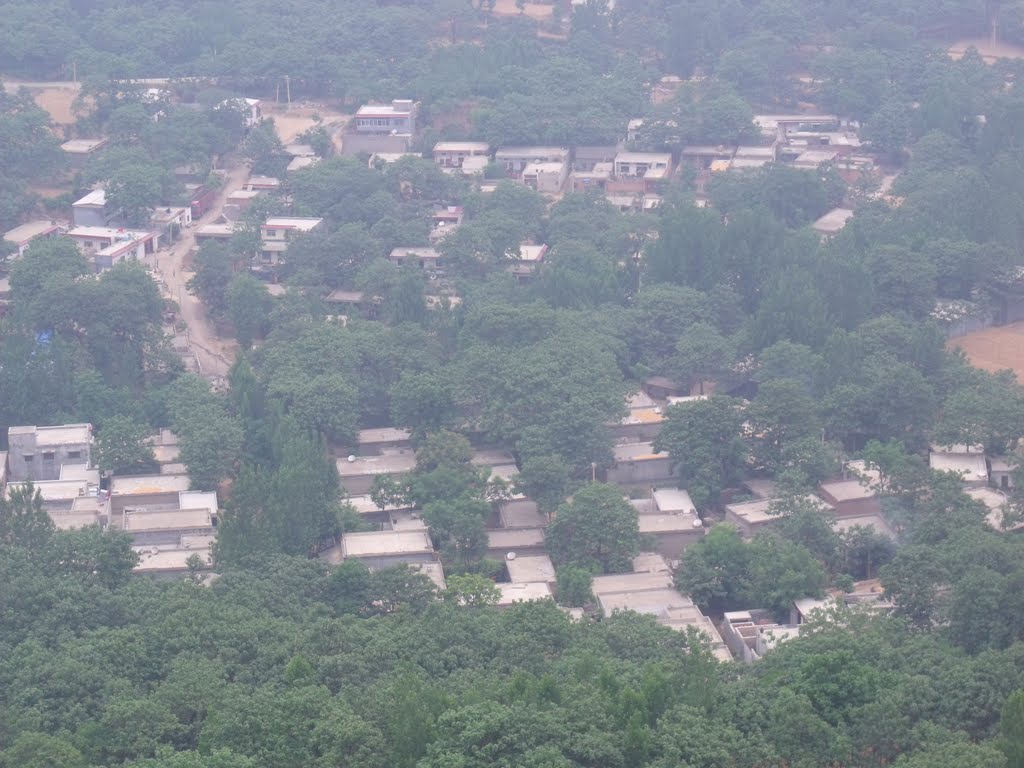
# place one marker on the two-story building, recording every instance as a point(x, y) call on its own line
point(37, 453)
point(275, 234)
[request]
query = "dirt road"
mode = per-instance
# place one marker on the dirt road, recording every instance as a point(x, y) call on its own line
point(214, 354)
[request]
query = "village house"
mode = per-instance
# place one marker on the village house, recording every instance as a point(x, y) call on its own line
point(221, 232)
point(520, 513)
point(163, 522)
point(643, 420)
point(351, 303)
point(779, 126)
point(378, 550)
point(452, 155)
point(753, 157)
point(382, 128)
point(375, 441)
point(192, 554)
point(514, 160)
point(90, 210)
point(301, 163)
point(833, 222)
point(520, 541)
point(168, 221)
point(1000, 471)
point(73, 500)
point(524, 266)
point(251, 110)
point(277, 231)
point(106, 246)
point(23, 235)
point(547, 178)
point(444, 220)
point(751, 634)
point(596, 178)
point(851, 498)
point(428, 259)
point(38, 453)
point(358, 472)
point(649, 590)
point(526, 592)
point(78, 151)
point(637, 463)
point(263, 183)
point(960, 460)
point(586, 159)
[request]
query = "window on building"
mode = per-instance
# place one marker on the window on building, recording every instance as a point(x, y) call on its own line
point(28, 457)
point(74, 454)
point(48, 455)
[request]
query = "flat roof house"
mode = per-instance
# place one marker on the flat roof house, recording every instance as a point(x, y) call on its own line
point(78, 151)
point(452, 154)
point(972, 467)
point(38, 453)
point(375, 441)
point(277, 231)
point(851, 498)
point(425, 258)
point(378, 550)
point(515, 159)
point(833, 222)
point(548, 178)
point(527, 261)
point(23, 235)
point(637, 463)
point(357, 472)
point(521, 541)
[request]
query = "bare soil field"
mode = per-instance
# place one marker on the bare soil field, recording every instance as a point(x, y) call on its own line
point(292, 122)
point(994, 349)
point(989, 51)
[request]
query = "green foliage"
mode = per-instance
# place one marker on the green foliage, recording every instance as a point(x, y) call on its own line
point(122, 447)
point(597, 531)
point(23, 520)
point(574, 585)
point(703, 439)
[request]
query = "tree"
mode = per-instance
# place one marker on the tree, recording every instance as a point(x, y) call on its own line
point(702, 353)
point(545, 479)
point(41, 750)
point(91, 553)
point(596, 531)
point(134, 191)
point(249, 306)
point(704, 440)
point(888, 129)
point(574, 586)
point(781, 415)
point(23, 520)
point(122, 447)
point(471, 590)
point(1011, 730)
point(213, 273)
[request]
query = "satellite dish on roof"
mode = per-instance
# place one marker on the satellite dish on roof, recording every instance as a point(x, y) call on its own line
point(698, 523)
point(351, 458)
point(510, 556)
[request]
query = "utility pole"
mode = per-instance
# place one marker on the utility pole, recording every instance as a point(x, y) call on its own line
point(288, 89)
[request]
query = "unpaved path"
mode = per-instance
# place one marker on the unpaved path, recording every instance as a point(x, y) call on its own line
point(214, 353)
point(994, 349)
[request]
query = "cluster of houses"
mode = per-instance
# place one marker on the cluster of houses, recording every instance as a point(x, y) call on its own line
point(172, 526)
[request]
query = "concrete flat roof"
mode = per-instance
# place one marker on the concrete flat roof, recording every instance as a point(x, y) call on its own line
point(26, 232)
point(752, 511)
point(147, 484)
point(383, 543)
point(630, 582)
point(54, 490)
point(344, 297)
point(637, 452)
point(462, 146)
point(834, 220)
point(521, 513)
point(385, 464)
point(384, 110)
point(532, 253)
point(681, 523)
point(509, 539)
point(363, 504)
point(433, 571)
point(653, 602)
point(847, 490)
point(73, 520)
point(530, 568)
point(216, 230)
point(555, 167)
point(971, 465)
point(643, 416)
point(650, 562)
point(61, 434)
point(383, 435)
point(424, 252)
point(157, 560)
point(877, 522)
point(137, 521)
point(404, 520)
point(528, 152)
point(80, 472)
point(651, 158)
point(82, 146)
point(302, 223)
point(491, 457)
point(673, 500)
point(523, 592)
point(304, 161)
